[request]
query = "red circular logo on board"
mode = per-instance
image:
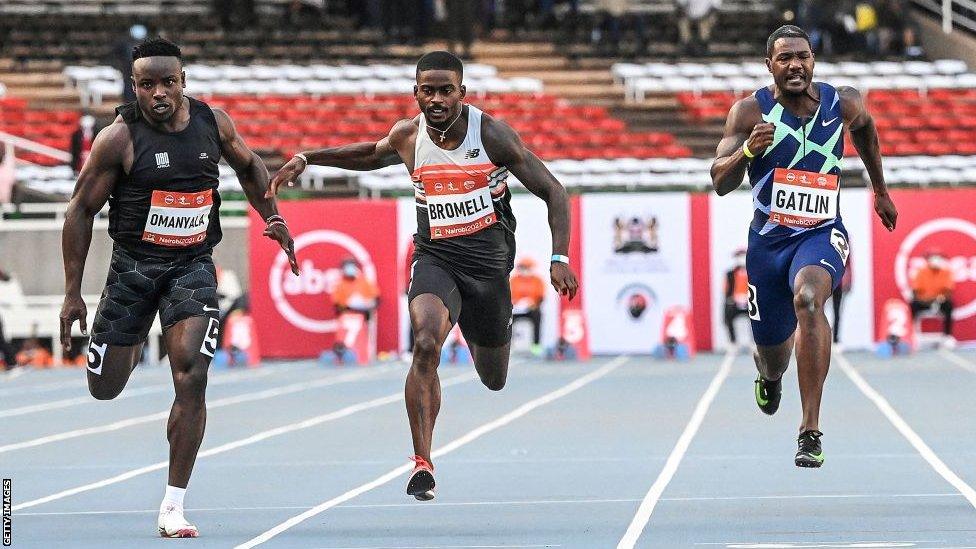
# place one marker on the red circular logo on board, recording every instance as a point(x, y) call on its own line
point(306, 301)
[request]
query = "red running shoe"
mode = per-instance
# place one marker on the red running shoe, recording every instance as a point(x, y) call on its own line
point(421, 483)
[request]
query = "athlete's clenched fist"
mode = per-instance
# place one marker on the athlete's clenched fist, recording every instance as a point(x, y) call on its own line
point(761, 137)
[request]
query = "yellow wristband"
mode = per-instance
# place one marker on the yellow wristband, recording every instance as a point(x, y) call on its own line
point(746, 151)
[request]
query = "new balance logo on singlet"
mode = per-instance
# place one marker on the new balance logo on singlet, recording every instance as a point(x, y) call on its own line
point(472, 153)
point(162, 160)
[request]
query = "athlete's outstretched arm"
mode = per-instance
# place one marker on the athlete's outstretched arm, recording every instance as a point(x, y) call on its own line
point(731, 162)
point(95, 183)
point(253, 175)
point(505, 148)
point(371, 155)
point(865, 137)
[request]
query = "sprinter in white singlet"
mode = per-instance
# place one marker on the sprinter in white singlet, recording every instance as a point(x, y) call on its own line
point(459, 159)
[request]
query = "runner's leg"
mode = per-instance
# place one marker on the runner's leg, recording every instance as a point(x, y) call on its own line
point(188, 416)
point(486, 322)
point(431, 323)
point(812, 288)
point(122, 321)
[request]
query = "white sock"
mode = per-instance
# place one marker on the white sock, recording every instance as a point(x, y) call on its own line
point(174, 496)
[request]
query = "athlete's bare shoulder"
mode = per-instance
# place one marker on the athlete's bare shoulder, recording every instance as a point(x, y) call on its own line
point(851, 106)
point(405, 129)
point(743, 116)
point(747, 108)
point(114, 142)
point(502, 143)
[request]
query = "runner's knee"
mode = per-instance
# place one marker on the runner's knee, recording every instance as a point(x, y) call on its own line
point(102, 390)
point(191, 384)
point(495, 381)
point(805, 302)
point(426, 349)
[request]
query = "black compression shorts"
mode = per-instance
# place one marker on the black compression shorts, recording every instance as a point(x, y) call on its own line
point(483, 307)
point(139, 286)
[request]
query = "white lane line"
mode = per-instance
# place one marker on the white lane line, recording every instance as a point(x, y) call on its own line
point(820, 545)
point(22, 388)
point(253, 439)
point(958, 360)
point(440, 546)
point(643, 515)
point(219, 379)
point(151, 374)
point(414, 506)
point(906, 431)
point(468, 437)
point(220, 402)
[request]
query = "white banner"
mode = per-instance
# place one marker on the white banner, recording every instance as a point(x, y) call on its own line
point(637, 263)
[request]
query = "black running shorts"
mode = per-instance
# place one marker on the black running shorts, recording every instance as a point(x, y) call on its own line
point(483, 307)
point(139, 286)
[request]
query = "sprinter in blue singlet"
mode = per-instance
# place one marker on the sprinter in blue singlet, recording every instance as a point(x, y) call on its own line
point(789, 137)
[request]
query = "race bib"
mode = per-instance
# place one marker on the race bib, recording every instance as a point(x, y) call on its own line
point(178, 219)
point(458, 204)
point(803, 199)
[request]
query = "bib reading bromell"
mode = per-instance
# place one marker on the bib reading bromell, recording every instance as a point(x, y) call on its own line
point(457, 190)
point(795, 181)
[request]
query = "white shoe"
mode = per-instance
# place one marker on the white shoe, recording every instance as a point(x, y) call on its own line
point(172, 524)
point(948, 343)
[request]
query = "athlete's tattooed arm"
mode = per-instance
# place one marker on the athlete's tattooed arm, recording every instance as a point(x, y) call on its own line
point(371, 155)
point(743, 124)
point(95, 183)
point(253, 175)
point(505, 148)
point(864, 134)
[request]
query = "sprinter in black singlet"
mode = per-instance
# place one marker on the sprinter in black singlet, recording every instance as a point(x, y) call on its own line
point(156, 165)
point(459, 159)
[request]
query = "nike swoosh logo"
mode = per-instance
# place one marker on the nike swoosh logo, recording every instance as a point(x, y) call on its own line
point(826, 123)
point(209, 309)
point(824, 262)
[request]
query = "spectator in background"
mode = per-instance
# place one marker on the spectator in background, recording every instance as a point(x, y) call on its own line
point(736, 292)
point(866, 25)
point(528, 292)
point(121, 59)
point(932, 288)
point(305, 13)
point(461, 26)
point(34, 354)
point(354, 292)
point(897, 32)
point(616, 19)
point(81, 141)
point(702, 14)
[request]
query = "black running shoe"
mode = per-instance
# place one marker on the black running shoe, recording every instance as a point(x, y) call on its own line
point(421, 483)
point(768, 394)
point(810, 453)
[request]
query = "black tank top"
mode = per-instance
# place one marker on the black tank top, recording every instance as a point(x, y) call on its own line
point(167, 205)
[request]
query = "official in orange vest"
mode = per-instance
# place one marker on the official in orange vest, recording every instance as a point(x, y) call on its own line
point(528, 292)
point(736, 292)
point(932, 289)
point(354, 292)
